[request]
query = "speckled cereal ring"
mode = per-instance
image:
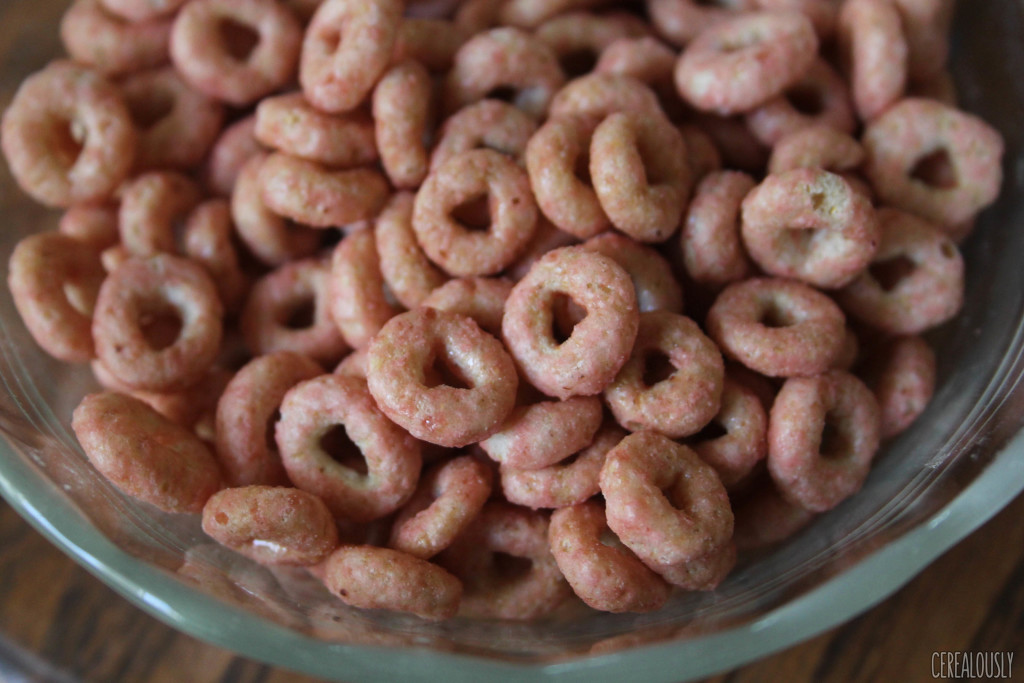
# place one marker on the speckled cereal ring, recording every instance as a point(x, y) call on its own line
point(450, 244)
point(553, 155)
point(809, 224)
point(593, 97)
point(271, 238)
point(563, 483)
point(152, 206)
point(193, 407)
point(680, 21)
point(702, 573)
point(822, 13)
point(207, 60)
point(655, 285)
point(503, 58)
point(369, 577)
point(208, 241)
point(411, 347)
point(447, 500)
point(710, 242)
point(914, 283)
point(586, 362)
point(358, 303)
point(95, 37)
point(532, 13)
point(819, 146)
point(348, 45)
point(480, 298)
point(578, 38)
point(902, 377)
point(542, 434)
point(54, 280)
point(355, 363)
point(94, 224)
point(134, 298)
point(68, 136)
point(742, 62)
point(644, 58)
point(744, 420)
point(638, 167)
point(681, 403)
point(662, 501)
point(606, 577)
point(177, 125)
point(235, 146)
point(926, 26)
point(547, 238)
point(701, 151)
point(820, 97)
point(431, 42)
point(490, 592)
point(914, 130)
point(409, 274)
point(402, 109)
point(779, 328)
point(316, 407)
point(144, 454)
point(314, 195)
point(492, 124)
point(289, 309)
point(873, 51)
point(142, 10)
point(811, 470)
point(289, 123)
point(272, 525)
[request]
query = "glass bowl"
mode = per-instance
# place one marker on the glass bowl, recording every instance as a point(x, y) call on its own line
point(957, 466)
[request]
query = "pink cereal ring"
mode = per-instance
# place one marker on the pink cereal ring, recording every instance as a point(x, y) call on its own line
point(702, 573)
point(606, 577)
point(144, 454)
point(680, 21)
point(914, 283)
point(142, 10)
point(547, 238)
point(409, 274)
point(68, 136)
point(818, 146)
point(463, 251)
point(701, 151)
point(358, 303)
point(381, 578)
point(271, 525)
point(764, 517)
point(94, 224)
point(140, 297)
point(655, 285)
point(311, 194)
point(447, 500)
point(823, 433)
point(564, 483)
point(271, 238)
point(744, 420)
point(532, 13)
point(644, 58)
point(915, 130)
point(431, 42)
point(586, 362)
point(95, 37)
point(208, 241)
point(902, 377)
point(193, 407)
point(542, 434)
point(681, 403)
point(209, 61)
point(480, 298)
point(820, 97)
point(475, 16)
point(347, 47)
point(414, 346)
point(354, 364)
point(809, 224)
point(710, 241)
point(492, 124)
point(822, 13)
point(54, 280)
point(177, 125)
point(737, 147)
point(402, 107)
point(504, 58)
point(926, 26)
point(490, 590)
point(289, 309)
point(742, 62)
point(246, 413)
point(363, 483)
point(578, 38)
point(662, 501)
point(553, 156)
point(640, 176)
point(235, 146)
point(594, 96)
point(153, 205)
point(289, 123)
point(873, 48)
point(779, 328)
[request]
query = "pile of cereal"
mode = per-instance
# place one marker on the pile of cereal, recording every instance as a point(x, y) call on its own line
point(395, 292)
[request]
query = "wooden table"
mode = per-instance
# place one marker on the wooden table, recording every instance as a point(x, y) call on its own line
point(59, 623)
